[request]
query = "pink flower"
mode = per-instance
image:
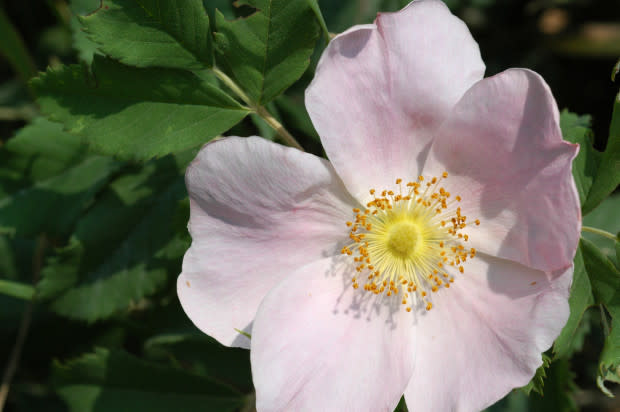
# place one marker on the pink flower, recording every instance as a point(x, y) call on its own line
point(432, 256)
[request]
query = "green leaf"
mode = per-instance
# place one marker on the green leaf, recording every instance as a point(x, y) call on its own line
point(204, 356)
point(558, 397)
point(608, 175)
point(605, 279)
point(117, 381)
point(269, 50)
point(85, 47)
point(580, 300)
point(163, 33)
point(15, 289)
point(609, 362)
point(136, 113)
point(314, 5)
point(559, 388)
point(604, 217)
point(125, 248)
point(576, 129)
point(538, 381)
point(42, 165)
point(13, 48)
point(402, 405)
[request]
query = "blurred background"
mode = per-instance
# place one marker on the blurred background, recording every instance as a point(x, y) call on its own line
point(573, 44)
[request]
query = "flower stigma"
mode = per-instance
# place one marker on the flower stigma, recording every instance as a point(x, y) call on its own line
point(411, 243)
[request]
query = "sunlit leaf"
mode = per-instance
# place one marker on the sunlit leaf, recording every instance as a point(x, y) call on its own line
point(269, 50)
point(136, 113)
point(162, 33)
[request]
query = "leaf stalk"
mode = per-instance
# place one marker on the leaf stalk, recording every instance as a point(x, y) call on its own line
point(599, 232)
point(258, 109)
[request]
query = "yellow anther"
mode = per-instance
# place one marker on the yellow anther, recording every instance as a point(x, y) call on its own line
point(401, 244)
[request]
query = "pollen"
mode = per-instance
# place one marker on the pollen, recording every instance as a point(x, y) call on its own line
point(408, 242)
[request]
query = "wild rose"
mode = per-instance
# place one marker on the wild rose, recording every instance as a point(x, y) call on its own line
point(431, 256)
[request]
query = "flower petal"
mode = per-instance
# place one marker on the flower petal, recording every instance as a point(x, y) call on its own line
point(504, 152)
point(320, 345)
point(485, 335)
point(380, 91)
point(258, 212)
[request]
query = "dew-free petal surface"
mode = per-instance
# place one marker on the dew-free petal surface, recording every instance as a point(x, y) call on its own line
point(485, 335)
point(503, 150)
point(381, 90)
point(259, 211)
point(319, 345)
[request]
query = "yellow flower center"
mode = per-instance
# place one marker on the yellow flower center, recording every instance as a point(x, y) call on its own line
point(409, 244)
point(402, 238)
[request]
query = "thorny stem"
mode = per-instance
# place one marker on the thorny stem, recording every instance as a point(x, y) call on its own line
point(24, 326)
point(599, 232)
point(258, 109)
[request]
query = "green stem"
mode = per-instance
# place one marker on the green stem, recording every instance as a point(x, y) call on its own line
point(230, 83)
point(599, 232)
point(258, 109)
point(16, 289)
point(277, 126)
point(247, 335)
point(24, 327)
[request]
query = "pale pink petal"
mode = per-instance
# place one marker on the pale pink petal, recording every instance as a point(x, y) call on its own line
point(259, 211)
point(485, 335)
point(320, 345)
point(381, 90)
point(504, 152)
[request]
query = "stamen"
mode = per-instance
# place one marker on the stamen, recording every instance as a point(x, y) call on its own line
point(404, 243)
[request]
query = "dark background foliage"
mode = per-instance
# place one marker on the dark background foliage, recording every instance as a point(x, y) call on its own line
point(132, 348)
